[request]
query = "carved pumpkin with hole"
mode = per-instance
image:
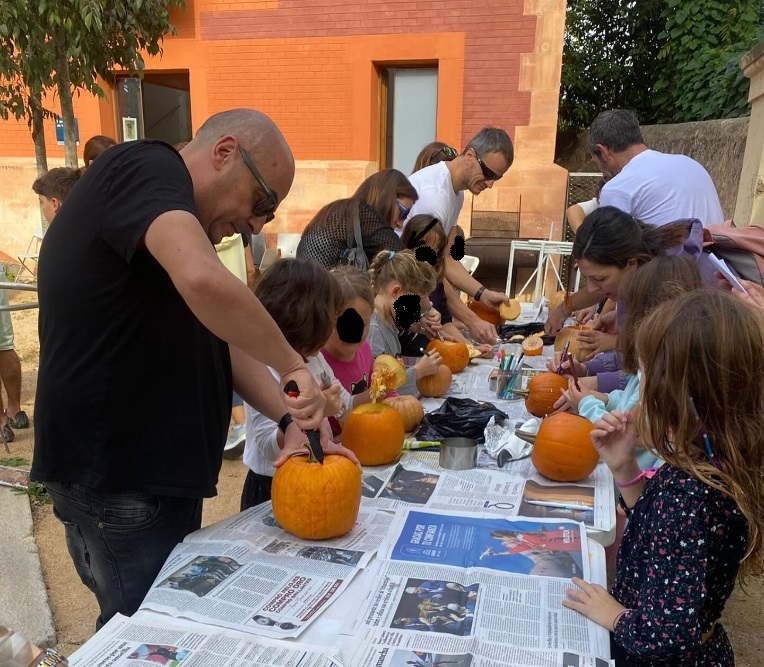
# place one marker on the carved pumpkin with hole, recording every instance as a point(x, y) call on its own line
point(455, 355)
point(543, 392)
point(316, 501)
point(435, 385)
point(563, 449)
point(409, 408)
point(374, 432)
point(490, 315)
point(532, 346)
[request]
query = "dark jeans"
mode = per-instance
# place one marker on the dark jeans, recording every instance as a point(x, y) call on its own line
point(256, 491)
point(119, 542)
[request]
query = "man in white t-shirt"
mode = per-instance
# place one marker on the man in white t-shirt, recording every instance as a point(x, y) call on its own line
point(440, 187)
point(656, 188)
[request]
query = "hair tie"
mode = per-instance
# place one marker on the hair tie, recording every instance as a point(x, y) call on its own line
point(392, 254)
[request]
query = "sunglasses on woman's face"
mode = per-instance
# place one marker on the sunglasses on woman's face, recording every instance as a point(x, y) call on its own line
point(488, 173)
point(403, 213)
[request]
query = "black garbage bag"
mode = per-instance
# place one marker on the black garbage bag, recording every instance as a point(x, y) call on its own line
point(506, 331)
point(458, 417)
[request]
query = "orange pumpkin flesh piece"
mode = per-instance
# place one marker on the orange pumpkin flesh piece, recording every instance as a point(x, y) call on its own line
point(533, 346)
point(455, 355)
point(490, 315)
point(409, 408)
point(374, 432)
point(510, 312)
point(543, 392)
point(563, 449)
point(435, 385)
point(316, 501)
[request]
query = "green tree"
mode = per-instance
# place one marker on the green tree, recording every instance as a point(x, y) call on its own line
point(608, 58)
point(701, 47)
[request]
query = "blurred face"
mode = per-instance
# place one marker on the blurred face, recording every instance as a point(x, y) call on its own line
point(484, 170)
point(353, 322)
point(604, 280)
point(49, 207)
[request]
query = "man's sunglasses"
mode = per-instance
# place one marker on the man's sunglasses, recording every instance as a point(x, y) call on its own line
point(449, 152)
point(488, 173)
point(266, 207)
point(403, 211)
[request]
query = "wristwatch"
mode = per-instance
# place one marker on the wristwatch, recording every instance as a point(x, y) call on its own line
point(51, 658)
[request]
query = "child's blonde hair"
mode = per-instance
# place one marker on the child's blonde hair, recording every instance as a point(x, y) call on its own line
point(402, 267)
point(354, 284)
point(707, 348)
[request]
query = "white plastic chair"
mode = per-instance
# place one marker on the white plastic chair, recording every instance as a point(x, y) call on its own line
point(470, 262)
point(269, 257)
point(287, 243)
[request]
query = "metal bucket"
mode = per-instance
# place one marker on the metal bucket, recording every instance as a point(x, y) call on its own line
point(458, 453)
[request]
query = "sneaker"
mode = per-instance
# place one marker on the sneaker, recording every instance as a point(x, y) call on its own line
point(234, 446)
point(19, 421)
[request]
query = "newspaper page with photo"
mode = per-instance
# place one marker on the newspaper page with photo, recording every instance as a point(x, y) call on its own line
point(230, 585)
point(389, 648)
point(517, 490)
point(456, 576)
point(151, 639)
point(258, 528)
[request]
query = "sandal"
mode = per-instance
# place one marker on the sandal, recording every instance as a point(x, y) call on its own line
point(8, 435)
point(19, 421)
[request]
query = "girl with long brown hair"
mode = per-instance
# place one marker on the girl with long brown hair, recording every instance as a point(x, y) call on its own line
point(697, 525)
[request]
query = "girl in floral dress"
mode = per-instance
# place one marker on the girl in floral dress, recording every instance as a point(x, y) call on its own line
point(697, 525)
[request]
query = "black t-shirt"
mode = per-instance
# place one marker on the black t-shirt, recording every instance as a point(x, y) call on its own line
point(133, 393)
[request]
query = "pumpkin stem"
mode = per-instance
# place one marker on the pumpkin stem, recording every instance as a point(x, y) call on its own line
point(525, 436)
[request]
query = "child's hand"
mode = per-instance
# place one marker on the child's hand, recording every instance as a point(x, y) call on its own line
point(431, 323)
point(594, 602)
point(607, 322)
point(334, 403)
point(573, 395)
point(428, 365)
point(615, 438)
point(571, 365)
point(562, 404)
point(591, 342)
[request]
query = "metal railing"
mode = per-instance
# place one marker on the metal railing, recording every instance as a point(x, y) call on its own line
point(21, 287)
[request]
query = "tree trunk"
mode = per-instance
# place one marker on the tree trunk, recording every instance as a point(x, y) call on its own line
point(38, 137)
point(67, 108)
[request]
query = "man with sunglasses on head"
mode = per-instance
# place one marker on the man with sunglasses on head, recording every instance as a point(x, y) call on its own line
point(440, 187)
point(143, 336)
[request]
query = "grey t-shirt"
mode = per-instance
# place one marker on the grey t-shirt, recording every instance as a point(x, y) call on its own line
point(383, 339)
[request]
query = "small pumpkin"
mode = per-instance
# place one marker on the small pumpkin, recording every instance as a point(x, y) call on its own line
point(374, 432)
point(437, 384)
point(532, 346)
point(563, 449)
point(409, 408)
point(511, 311)
point(569, 334)
point(543, 392)
point(316, 501)
point(490, 315)
point(455, 355)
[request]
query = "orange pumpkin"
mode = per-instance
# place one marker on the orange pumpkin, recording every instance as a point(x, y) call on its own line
point(569, 334)
point(435, 385)
point(387, 375)
point(316, 501)
point(374, 432)
point(543, 392)
point(490, 315)
point(409, 408)
point(455, 355)
point(532, 346)
point(563, 449)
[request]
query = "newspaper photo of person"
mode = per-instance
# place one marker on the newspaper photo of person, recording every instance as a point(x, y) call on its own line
point(410, 486)
point(425, 659)
point(563, 501)
point(160, 654)
point(371, 486)
point(437, 606)
point(272, 623)
point(201, 575)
